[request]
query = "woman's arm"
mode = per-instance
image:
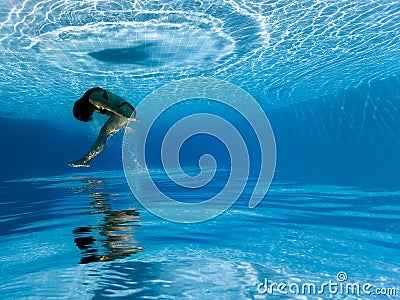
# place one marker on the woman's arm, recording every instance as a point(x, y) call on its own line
point(104, 106)
point(114, 104)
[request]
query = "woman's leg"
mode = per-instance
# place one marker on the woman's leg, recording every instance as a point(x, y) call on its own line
point(111, 127)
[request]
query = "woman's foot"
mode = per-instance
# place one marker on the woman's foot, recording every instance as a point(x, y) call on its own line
point(79, 163)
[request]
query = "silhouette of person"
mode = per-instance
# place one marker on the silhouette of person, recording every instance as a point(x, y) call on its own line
point(99, 100)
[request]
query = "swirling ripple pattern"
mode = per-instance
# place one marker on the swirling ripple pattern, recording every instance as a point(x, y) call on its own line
point(283, 51)
point(197, 89)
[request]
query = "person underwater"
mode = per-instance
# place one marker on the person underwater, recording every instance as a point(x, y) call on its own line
point(99, 100)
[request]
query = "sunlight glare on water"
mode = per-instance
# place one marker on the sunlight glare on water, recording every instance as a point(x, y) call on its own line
point(280, 51)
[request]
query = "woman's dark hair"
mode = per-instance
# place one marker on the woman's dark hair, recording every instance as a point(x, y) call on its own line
point(83, 109)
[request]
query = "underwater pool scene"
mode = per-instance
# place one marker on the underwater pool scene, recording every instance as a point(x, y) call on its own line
point(326, 74)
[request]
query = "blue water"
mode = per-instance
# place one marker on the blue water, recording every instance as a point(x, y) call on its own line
point(326, 73)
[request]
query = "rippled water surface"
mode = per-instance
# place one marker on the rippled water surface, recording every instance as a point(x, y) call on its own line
point(282, 51)
point(83, 236)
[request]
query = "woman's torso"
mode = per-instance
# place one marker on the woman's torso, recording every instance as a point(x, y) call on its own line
point(106, 100)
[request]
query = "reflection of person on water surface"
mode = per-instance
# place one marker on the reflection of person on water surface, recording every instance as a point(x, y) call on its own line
point(110, 237)
point(98, 100)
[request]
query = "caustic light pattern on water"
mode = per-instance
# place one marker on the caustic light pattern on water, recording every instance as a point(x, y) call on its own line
point(281, 51)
